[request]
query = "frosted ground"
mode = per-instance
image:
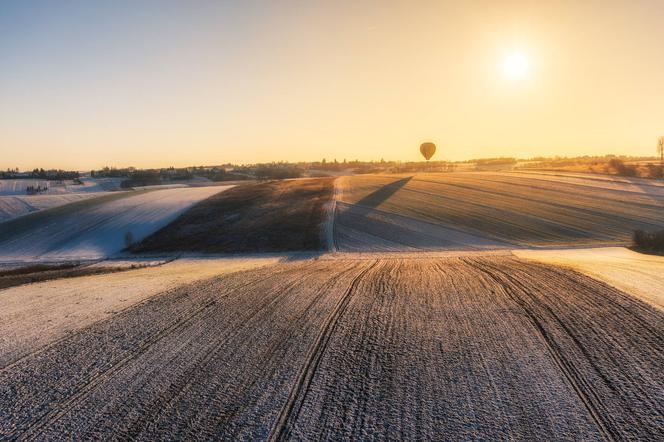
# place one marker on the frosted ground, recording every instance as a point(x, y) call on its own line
point(95, 228)
point(14, 200)
point(635, 273)
point(420, 323)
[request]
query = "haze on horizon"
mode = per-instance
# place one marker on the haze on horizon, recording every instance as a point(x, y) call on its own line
point(160, 83)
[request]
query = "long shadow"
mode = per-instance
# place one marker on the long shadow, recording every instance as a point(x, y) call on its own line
point(376, 198)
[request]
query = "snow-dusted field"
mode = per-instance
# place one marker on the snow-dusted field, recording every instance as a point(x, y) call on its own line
point(635, 273)
point(12, 206)
point(430, 210)
point(97, 227)
point(15, 202)
point(420, 348)
point(19, 187)
point(33, 315)
point(420, 341)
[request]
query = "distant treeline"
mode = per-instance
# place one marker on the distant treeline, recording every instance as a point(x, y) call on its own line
point(362, 167)
point(147, 177)
point(644, 167)
point(611, 164)
point(42, 174)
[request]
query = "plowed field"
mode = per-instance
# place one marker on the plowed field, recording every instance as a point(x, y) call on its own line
point(480, 210)
point(466, 347)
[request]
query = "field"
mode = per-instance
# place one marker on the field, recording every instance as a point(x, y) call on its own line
point(95, 185)
point(34, 315)
point(95, 228)
point(635, 273)
point(274, 216)
point(489, 210)
point(445, 308)
point(15, 202)
point(474, 347)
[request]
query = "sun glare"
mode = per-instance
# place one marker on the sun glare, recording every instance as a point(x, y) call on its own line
point(515, 65)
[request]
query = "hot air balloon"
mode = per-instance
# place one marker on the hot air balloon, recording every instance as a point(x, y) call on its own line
point(427, 150)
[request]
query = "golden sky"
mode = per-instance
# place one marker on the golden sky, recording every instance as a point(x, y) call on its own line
point(160, 83)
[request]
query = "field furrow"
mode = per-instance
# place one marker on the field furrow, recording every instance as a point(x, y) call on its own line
point(609, 344)
point(523, 209)
point(209, 359)
point(428, 348)
point(384, 346)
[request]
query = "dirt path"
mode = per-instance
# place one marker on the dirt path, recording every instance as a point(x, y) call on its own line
point(472, 347)
point(330, 215)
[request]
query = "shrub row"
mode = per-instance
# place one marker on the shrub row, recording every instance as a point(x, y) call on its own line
point(651, 241)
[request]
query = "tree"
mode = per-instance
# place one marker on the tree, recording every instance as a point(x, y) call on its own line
point(129, 239)
point(660, 150)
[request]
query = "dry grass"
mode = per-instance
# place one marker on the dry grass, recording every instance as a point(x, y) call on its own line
point(261, 217)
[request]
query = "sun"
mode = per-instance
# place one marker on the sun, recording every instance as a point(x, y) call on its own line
point(516, 65)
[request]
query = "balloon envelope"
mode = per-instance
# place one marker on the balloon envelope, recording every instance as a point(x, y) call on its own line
point(427, 150)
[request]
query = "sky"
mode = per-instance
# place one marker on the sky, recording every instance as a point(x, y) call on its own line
point(85, 84)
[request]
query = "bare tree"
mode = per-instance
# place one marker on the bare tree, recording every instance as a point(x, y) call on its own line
point(660, 150)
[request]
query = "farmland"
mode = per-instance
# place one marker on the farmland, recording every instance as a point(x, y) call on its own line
point(86, 185)
point(435, 211)
point(469, 346)
point(635, 273)
point(35, 315)
point(14, 200)
point(274, 216)
point(445, 309)
point(95, 228)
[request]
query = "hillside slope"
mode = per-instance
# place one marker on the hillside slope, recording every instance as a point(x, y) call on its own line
point(260, 217)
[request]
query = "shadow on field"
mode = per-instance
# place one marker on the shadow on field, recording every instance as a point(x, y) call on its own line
point(375, 199)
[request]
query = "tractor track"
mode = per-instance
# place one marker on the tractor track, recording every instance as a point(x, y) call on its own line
point(477, 346)
point(565, 366)
point(596, 400)
point(115, 366)
point(290, 410)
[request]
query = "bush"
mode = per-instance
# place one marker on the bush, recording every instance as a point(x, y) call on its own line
point(622, 168)
point(650, 241)
point(655, 171)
